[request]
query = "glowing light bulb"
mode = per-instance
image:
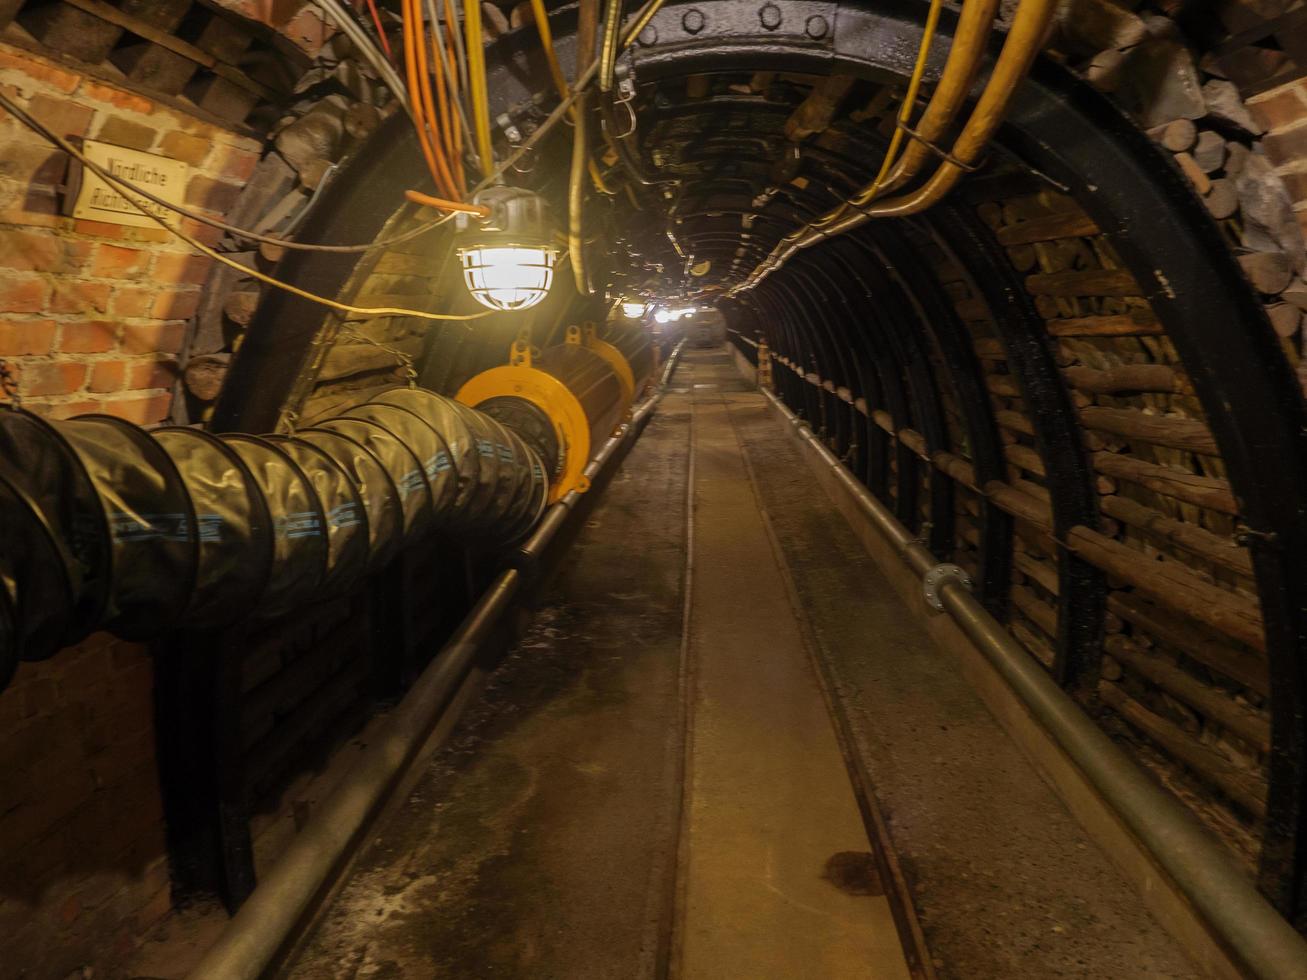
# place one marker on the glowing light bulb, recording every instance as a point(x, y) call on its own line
point(507, 254)
point(508, 277)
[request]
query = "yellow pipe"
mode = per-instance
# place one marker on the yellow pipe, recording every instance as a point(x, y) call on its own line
point(905, 111)
point(955, 81)
point(1022, 46)
point(476, 69)
point(1024, 40)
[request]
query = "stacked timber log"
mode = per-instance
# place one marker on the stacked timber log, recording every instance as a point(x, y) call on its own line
point(1192, 109)
point(1183, 664)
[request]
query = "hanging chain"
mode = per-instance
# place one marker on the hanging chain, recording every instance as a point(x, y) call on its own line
point(405, 360)
point(9, 385)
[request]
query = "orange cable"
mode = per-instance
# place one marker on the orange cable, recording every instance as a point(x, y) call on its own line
point(438, 69)
point(417, 197)
point(429, 103)
point(425, 100)
point(381, 31)
point(414, 109)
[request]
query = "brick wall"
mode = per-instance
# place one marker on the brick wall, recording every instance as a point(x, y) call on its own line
point(83, 867)
point(1283, 111)
point(94, 315)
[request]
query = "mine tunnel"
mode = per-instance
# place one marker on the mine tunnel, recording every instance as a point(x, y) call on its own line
point(701, 488)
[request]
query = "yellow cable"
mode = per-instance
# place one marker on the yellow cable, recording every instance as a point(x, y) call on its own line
point(547, 42)
point(896, 141)
point(476, 69)
point(560, 83)
point(314, 297)
point(909, 100)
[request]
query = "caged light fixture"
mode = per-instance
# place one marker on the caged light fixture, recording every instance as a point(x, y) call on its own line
point(508, 258)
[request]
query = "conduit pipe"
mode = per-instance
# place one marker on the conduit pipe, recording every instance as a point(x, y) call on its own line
point(108, 526)
point(1025, 38)
point(1246, 925)
point(283, 899)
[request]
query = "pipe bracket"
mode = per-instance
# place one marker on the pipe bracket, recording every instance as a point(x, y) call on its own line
point(933, 582)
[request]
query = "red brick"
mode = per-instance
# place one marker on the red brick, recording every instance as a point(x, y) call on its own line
point(151, 234)
point(125, 132)
point(33, 337)
point(23, 295)
point(308, 31)
point(1288, 146)
point(176, 304)
point(73, 296)
point(107, 376)
point(212, 195)
point(30, 250)
point(53, 378)
point(99, 229)
point(153, 338)
point(146, 375)
point(88, 337)
point(115, 262)
point(1284, 108)
point(64, 117)
point(131, 301)
point(236, 164)
point(41, 71)
point(116, 97)
point(181, 267)
point(141, 411)
point(206, 234)
point(183, 146)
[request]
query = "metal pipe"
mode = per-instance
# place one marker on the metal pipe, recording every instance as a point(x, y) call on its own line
point(257, 933)
point(576, 195)
point(1245, 924)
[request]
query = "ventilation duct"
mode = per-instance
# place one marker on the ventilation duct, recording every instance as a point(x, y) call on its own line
point(108, 526)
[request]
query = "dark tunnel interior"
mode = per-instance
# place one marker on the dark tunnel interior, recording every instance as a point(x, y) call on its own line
point(1056, 352)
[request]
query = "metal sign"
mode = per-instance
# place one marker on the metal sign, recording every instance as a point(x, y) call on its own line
point(97, 199)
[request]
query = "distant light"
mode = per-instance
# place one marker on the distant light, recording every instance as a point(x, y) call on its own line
point(663, 315)
point(634, 311)
point(508, 277)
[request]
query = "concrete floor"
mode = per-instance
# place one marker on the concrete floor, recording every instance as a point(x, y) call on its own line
point(652, 786)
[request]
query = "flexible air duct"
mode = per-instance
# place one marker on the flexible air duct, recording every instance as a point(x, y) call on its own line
point(109, 526)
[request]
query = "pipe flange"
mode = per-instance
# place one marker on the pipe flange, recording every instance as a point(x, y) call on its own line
point(933, 582)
